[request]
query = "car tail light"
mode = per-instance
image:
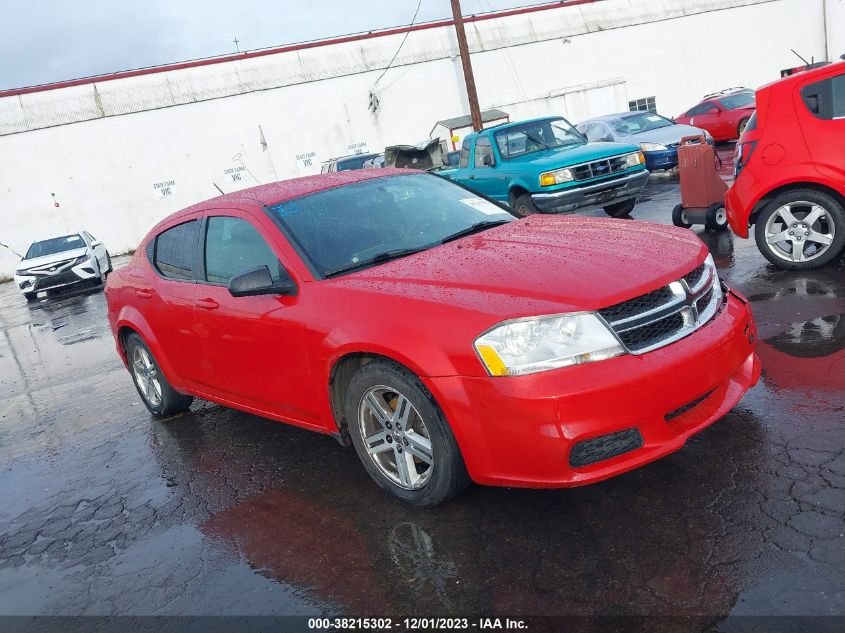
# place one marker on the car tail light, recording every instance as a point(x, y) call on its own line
point(743, 155)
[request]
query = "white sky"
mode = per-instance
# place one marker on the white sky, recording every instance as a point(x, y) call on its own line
point(51, 40)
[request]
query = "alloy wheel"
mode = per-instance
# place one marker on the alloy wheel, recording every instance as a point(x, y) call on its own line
point(395, 437)
point(800, 231)
point(146, 376)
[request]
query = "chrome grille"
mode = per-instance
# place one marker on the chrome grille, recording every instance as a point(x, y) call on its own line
point(667, 314)
point(599, 168)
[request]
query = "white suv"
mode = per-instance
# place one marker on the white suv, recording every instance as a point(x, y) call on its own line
point(62, 261)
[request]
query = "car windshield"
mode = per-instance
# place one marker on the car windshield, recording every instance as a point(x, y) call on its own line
point(638, 123)
point(346, 227)
point(55, 245)
point(739, 100)
point(535, 136)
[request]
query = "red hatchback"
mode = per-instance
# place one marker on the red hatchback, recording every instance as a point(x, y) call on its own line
point(444, 338)
point(790, 170)
point(724, 115)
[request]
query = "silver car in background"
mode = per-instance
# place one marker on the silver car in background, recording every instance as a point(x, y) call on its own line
point(657, 136)
point(62, 261)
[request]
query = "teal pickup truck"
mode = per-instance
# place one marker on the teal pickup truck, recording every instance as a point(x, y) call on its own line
point(547, 166)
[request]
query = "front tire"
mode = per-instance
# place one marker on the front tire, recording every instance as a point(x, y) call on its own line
point(801, 229)
point(402, 437)
point(741, 127)
point(30, 296)
point(156, 393)
point(621, 209)
point(524, 205)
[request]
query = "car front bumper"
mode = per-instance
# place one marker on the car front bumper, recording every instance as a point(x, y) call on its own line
point(84, 272)
point(521, 431)
point(597, 195)
point(661, 159)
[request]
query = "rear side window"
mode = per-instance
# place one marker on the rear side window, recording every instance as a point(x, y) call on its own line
point(233, 246)
point(464, 161)
point(175, 251)
point(483, 149)
point(826, 99)
point(701, 108)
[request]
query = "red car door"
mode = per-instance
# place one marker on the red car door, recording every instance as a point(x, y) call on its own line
point(166, 298)
point(254, 348)
point(710, 117)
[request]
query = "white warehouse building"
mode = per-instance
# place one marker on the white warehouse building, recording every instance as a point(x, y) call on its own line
point(114, 154)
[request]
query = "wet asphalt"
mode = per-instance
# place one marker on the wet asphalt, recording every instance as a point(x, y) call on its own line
point(106, 511)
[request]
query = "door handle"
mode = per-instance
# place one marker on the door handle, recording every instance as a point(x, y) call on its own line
point(472, 177)
point(208, 304)
point(143, 294)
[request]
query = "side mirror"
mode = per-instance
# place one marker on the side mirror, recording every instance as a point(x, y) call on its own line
point(96, 243)
point(487, 160)
point(258, 281)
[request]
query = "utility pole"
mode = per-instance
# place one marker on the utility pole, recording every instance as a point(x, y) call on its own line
point(472, 96)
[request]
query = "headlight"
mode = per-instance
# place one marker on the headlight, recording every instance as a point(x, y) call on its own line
point(557, 177)
point(526, 346)
point(81, 260)
point(652, 147)
point(634, 158)
point(23, 273)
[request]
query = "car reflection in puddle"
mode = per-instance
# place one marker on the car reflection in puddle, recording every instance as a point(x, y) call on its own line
point(807, 354)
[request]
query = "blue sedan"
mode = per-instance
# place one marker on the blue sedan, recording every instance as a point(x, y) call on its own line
point(657, 136)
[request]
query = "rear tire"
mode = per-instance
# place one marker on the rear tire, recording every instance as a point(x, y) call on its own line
point(401, 436)
point(156, 393)
point(679, 217)
point(621, 209)
point(716, 218)
point(741, 127)
point(524, 205)
point(773, 222)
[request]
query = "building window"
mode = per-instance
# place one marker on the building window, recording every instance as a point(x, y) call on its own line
point(643, 105)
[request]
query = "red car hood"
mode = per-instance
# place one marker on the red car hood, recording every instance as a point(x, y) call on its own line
point(576, 263)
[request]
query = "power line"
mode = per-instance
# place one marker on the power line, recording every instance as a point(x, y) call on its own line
point(407, 33)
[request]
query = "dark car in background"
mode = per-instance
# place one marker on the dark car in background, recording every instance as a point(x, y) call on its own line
point(724, 114)
point(657, 136)
point(355, 161)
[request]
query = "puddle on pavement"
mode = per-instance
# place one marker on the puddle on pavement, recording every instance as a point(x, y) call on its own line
point(815, 338)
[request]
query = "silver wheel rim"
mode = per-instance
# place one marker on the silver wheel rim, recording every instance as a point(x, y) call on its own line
point(395, 437)
point(146, 376)
point(800, 232)
point(684, 217)
point(721, 216)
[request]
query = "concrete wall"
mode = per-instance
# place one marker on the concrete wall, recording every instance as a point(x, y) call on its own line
point(120, 155)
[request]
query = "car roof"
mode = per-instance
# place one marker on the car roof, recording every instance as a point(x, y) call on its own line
point(58, 237)
point(822, 71)
point(620, 115)
point(283, 190)
point(510, 124)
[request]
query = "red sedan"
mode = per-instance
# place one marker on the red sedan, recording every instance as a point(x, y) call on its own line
point(443, 337)
point(724, 115)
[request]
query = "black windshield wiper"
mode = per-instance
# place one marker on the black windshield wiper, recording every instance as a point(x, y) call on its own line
point(386, 256)
point(531, 137)
point(475, 228)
